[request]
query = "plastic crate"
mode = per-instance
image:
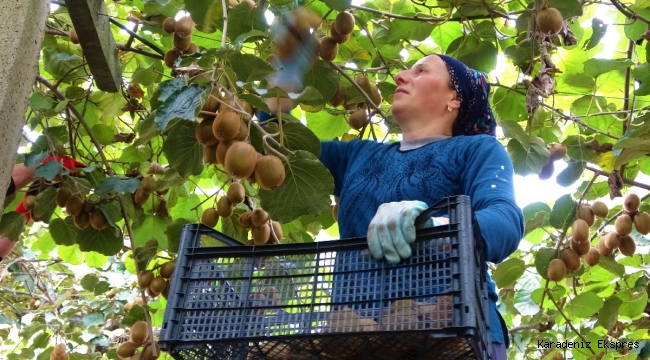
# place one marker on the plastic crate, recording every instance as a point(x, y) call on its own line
point(330, 299)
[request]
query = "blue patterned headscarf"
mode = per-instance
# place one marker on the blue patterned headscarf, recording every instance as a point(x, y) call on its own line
point(473, 89)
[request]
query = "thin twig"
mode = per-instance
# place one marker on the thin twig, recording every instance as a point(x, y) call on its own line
point(625, 180)
point(550, 297)
point(365, 95)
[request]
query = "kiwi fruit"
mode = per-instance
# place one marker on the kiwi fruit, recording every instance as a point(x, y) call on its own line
point(222, 149)
point(169, 24)
point(240, 160)
point(259, 217)
point(642, 222)
point(580, 231)
point(344, 23)
point(184, 27)
point(328, 48)
point(558, 151)
point(82, 220)
point(147, 352)
point(261, 234)
point(210, 217)
point(211, 104)
point(627, 246)
point(226, 125)
point(144, 278)
point(549, 21)
point(98, 220)
point(375, 96)
point(126, 350)
point(224, 207)
point(338, 38)
point(585, 213)
point(602, 247)
point(193, 48)
point(623, 225)
point(210, 154)
point(73, 36)
point(547, 171)
point(277, 230)
point(592, 257)
point(62, 196)
point(167, 269)
point(269, 172)
point(204, 134)
point(29, 201)
point(236, 193)
point(358, 119)
point(249, 3)
point(140, 197)
point(612, 240)
point(139, 332)
point(631, 202)
point(74, 205)
point(244, 220)
point(170, 57)
point(363, 82)
point(580, 248)
point(88, 206)
point(158, 285)
point(339, 97)
point(335, 212)
point(182, 43)
point(556, 270)
point(148, 184)
point(571, 259)
point(59, 349)
point(600, 209)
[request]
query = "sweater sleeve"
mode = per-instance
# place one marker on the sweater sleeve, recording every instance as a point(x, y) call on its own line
point(488, 180)
point(337, 156)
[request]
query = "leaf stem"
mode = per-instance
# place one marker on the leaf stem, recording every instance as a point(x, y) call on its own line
point(550, 297)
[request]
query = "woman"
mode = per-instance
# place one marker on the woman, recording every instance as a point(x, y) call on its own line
point(448, 148)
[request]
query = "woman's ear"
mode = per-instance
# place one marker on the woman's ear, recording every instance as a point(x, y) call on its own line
point(454, 103)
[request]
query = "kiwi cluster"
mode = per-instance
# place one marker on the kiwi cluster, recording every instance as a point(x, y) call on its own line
point(83, 211)
point(156, 285)
point(147, 186)
point(138, 339)
point(263, 230)
point(60, 352)
point(558, 151)
point(129, 305)
point(620, 237)
point(182, 30)
point(549, 21)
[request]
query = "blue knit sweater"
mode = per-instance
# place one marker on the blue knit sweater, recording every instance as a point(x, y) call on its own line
point(368, 174)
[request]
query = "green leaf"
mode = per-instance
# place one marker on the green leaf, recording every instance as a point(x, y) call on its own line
point(570, 174)
point(183, 208)
point(108, 241)
point(41, 340)
point(536, 215)
point(12, 225)
point(477, 54)
point(406, 29)
point(326, 126)
point(528, 159)
point(63, 231)
point(508, 272)
point(599, 29)
point(120, 185)
point(642, 73)
point(305, 191)
point(242, 19)
point(184, 104)
point(338, 5)
point(563, 212)
point(509, 105)
point(147, 130)
point(611, 265)
point(633, 302)
point(45, 204)
point(33, 160)
point(136, 314)
point(88, 282)
point(445, 33)
point(184, 153)
point(49, 170)
point(608, 315)
point(256, 102)
point(95, 259)
point(568, 8)
point(174, 232)
point(151, 227)
point(634, 30)
point(71, 254)
point(147, 75)
point(93, 319)
point(103, 133)
point(297, 137)
point(596, 67)
point(249, 67)
point(514, 131)
point(229, 226)
point(39, 101)
point(323, 78)
point(145, 253)
point(543, 258)
point(584, 305)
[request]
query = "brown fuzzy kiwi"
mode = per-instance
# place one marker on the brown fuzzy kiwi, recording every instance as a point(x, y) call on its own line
point(244, 220)
point(558, 151)
point(210, 217)
point(74, 38)
point(88, 206)
point(549, 21)
point(571, 259)
point(167, 269)
point(74, 205)
point(182, 43)
point(363, 82)
point(148, 184)
point(62, 196)
point(126, 350)
point(211, 104)
point(338, 38)
point(375, 96)
point(139, 332)
point(623, 225)
point(184, 26)
point(328, 48)
point(144, 278)
point(627, 246)
point(556, 270)
point(226, 125)
point(82, 220)
point(203, 132)
point(147, 352)
point(59, 349)
point(344, 23)
point(236, 193)
point(339, 97)
point(277, 230)
point(222, 149)
point(585, 213)
point(192, 49)
point(242, 134)
point(599, 209)
point(259, 217)
point(631, 202)
point(29, 201)
point(170, 57)
point(261, 234)
point(580, 248)
point(240, 160)
point(98, 220)
point(224, 207)
point(612, 240)
point(210, 154)
point(580, 231)
point(547, 171)
point(269, 172)
point(140, 197)
point(602, 247)
point(593, 256)
point(168, 25)
point(642, 222)
point(358, 119)
point(158, 285)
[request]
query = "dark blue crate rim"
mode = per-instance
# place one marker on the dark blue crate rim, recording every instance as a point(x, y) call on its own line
point(462, 225)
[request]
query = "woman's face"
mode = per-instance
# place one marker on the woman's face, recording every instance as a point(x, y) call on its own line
point(423, 90)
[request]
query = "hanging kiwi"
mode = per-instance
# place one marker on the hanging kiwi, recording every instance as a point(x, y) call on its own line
point(29, 201)
point(585, 213)
point(259, 217)
point(240, 160)
point(98, 220)
point(358, 119)
point(73, 36)
point(148, 184)
point(82, 220)
point(336, 36)
point(642, 222)
point(210, 217)
point(556, 270)
point(244, 220)
point(224, 207)
point(631, 202)
point(126, 349)
point(182, 43)
point(168, 25)
point(226, 125)
point(74, 205)
point(210, 154)
point(62, 196)
point(558, 151)
point(600, 209)
point(184, 27)
point(261, 234)
point(167, 269)
point(144, 278)
point(269, 172)
point(139, 332)
point(170, 58)
point(549, 21)
point(328, 48)
point(140, 197)
point(344, 23)
point(236, 193)
point(203, 132)
point(339, 97)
